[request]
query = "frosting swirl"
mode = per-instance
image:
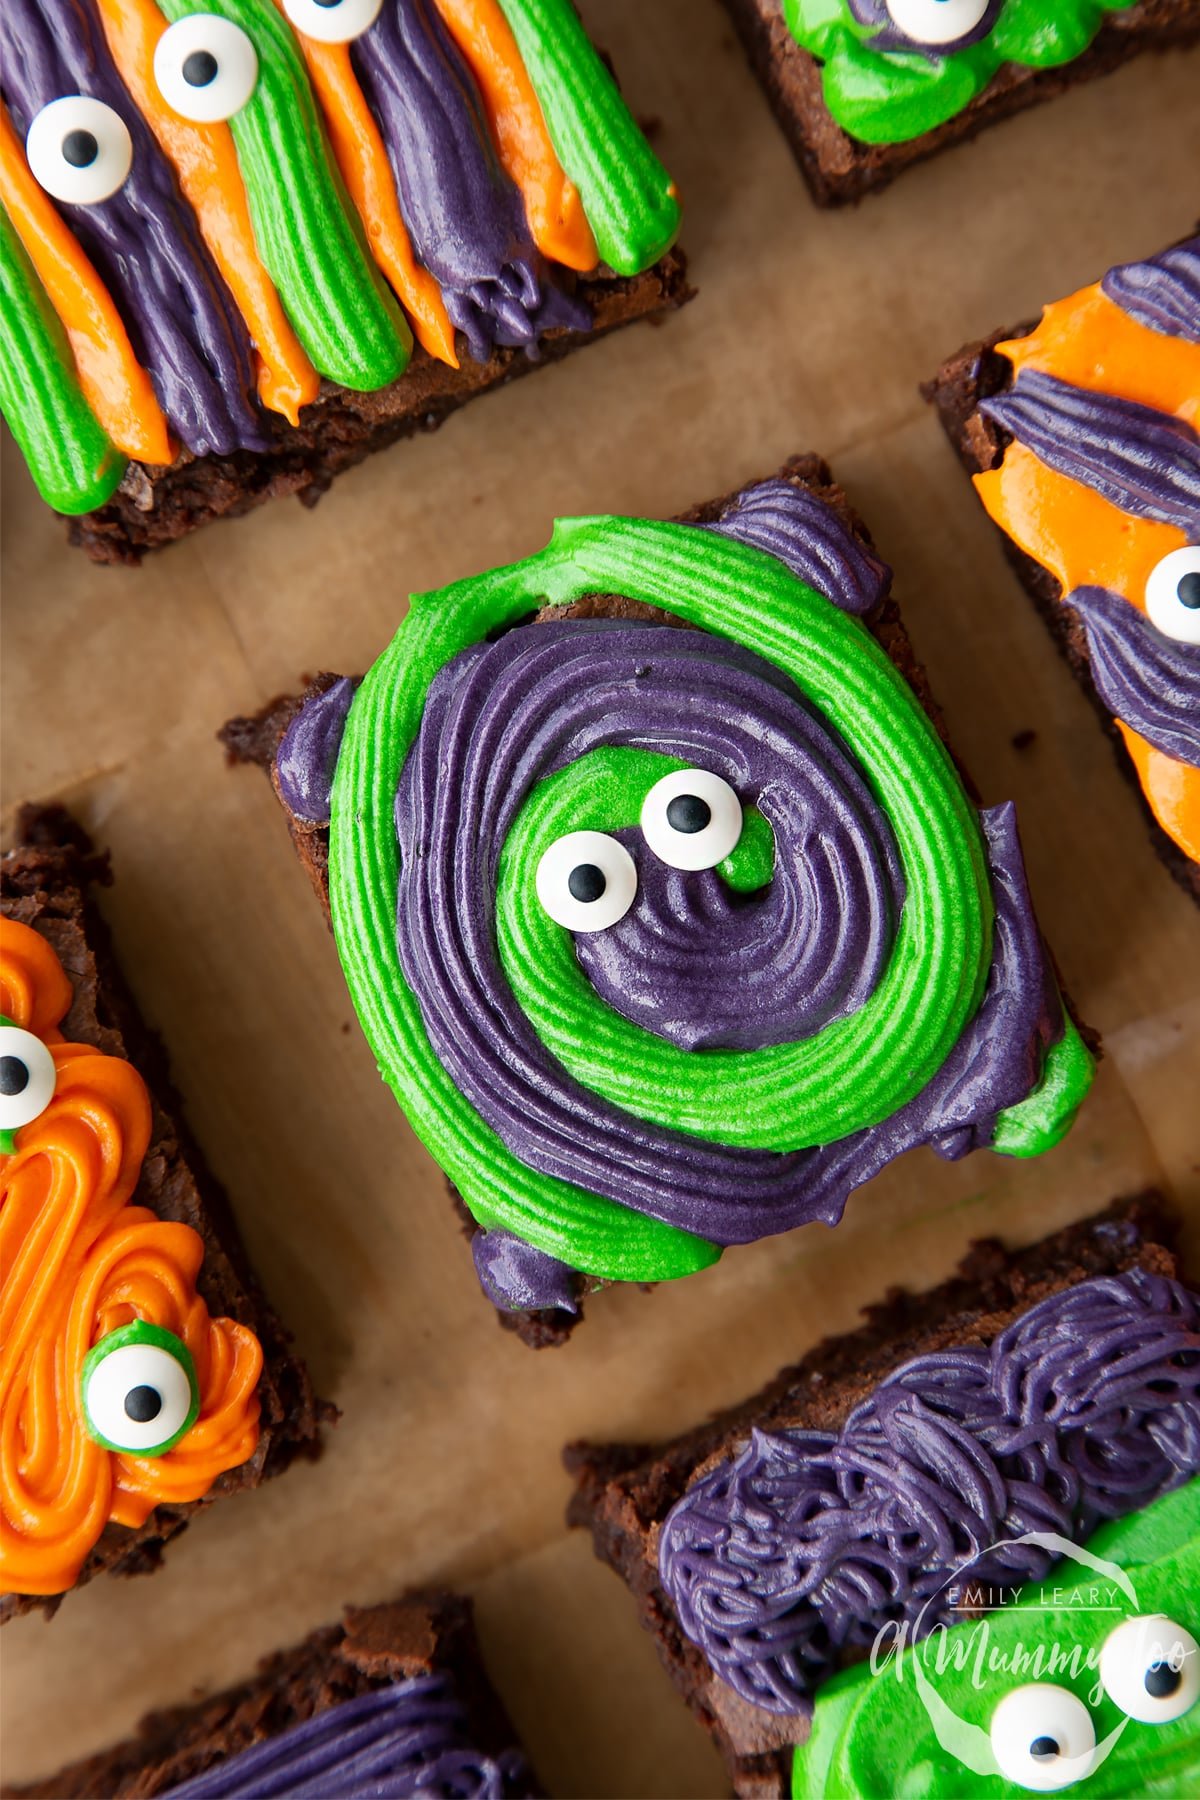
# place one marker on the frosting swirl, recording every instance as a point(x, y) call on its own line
point(1084, 1409)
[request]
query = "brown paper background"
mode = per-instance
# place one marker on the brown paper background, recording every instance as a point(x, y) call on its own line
point(811, 332)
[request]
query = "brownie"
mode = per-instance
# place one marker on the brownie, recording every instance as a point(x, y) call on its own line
point(374, 1647)
point(256, 739)
point(153, 507)
point(46, 883)
point(624, 1492)
point(974, 374)
point(839, 168)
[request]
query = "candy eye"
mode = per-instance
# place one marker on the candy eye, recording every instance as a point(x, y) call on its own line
point(79, 150)
point(935, 21)
point(206, 68)
point(691, 820)
point(1173, 595)
point(586, 881)
point(140, 1392)
point(1150, 1668)
point(332, 21)
point(27, 1077)
point(1043, 1737)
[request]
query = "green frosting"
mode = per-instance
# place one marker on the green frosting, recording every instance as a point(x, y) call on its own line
point(854, 1073)
point(629, 198)
point(874, 1735)
point(307, 231)
point(70, 457)
point(889, 96)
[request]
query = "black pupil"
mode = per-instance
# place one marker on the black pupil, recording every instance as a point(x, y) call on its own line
point(143, 1404)
point(1189, 590)
point(586, 882)
point(199, 68)
point(1162, 1680)
point(80, 149)
point(14, 1075)
point(1043, 1748)
point(688, 813)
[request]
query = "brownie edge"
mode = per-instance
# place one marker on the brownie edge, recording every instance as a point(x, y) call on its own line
point(46, 882)
point(625, 1491)
point(840, 169)
point(373, 1646)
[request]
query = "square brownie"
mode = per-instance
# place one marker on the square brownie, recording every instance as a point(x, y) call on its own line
point(795, 539)
point(46, 891)
point(1041, 418)
point(406, 1677)
point(840, 168)
point(704, 1518)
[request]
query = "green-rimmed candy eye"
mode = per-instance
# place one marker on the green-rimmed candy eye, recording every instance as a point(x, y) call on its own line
point(1150, 1668)
point(1043, 1738)
point(936, 21)
point(27, 1078)
point(140, 1393)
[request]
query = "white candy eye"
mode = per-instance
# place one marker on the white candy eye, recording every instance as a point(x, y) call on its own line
point(1150, 1668)
point(79, 150)
point(1043, 1737)
point(332, 21)
point(935, 21)
point(206, 68)
point(586, 881)
point(139, 1390)
point(1173, 595)
point(27, 1077)
point(691, 820)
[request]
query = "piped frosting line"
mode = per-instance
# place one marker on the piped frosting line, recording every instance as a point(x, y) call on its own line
point(363, 161)
point(1164, 293)
point(118, 390)
point(205, 161)
point(553, 203)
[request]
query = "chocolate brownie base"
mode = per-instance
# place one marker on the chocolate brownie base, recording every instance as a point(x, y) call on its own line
point(45, 882)
point(255, 739)
point(153, 506)
point(974, 374)
point(372, 1648)
point(625, 1491)
point(839, 168)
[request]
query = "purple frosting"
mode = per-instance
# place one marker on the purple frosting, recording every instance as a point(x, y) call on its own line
point(799, 1549)
point(1144, 677)
point(409, 1738)
point(308, 751)
point(503, 716)
point(890, 37)
point(807, 536)
point(465, 216)
point(521, 1278)
point(1163, 293)
point(1144, 461)
point(143, 240)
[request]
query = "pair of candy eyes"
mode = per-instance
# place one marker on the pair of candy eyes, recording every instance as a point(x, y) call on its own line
point(1042, 1735)
point(691, 820)
point(206, 68)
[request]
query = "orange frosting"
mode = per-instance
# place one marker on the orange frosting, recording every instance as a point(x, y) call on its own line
point(205, 161)
point(1074, 532)
point(552, 201)
point(78, 1260)
point(362, 159)
point(115, 385)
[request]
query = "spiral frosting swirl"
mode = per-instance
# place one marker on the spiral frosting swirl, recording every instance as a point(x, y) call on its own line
point(1084, 1409)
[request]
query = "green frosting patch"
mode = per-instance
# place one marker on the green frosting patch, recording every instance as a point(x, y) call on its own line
point(69, 454)
point(854, 1073)
point(307, 231)
point(889, 96)
point(629, 198)
point(876, 1735)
